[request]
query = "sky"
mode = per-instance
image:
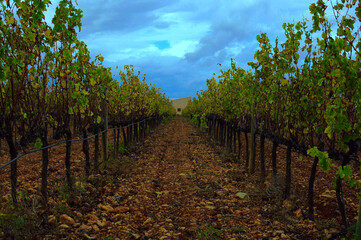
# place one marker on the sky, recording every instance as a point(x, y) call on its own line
point(179, 43)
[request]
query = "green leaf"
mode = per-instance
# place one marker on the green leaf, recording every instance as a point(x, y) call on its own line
point(324, 160)
point(99, 119)
point(340, 31)
point(2, 73)
point(67, 55)
point(352, 183)
point(74, 95)
point(38, 143)
point(346, 172)
point(358, 12)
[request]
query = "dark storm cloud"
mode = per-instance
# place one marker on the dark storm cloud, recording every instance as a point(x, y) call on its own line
point(178, 43)
point(122, 16)
point(241, 23)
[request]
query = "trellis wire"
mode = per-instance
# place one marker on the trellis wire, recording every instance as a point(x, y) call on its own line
point(72, 140)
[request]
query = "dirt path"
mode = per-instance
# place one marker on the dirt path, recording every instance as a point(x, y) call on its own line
point(178, 186)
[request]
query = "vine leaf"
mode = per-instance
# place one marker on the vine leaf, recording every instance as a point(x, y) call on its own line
point(38, 143)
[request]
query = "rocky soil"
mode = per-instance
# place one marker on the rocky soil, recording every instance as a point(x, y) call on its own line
point(177, 184)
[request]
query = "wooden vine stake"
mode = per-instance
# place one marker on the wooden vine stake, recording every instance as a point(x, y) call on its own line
point(252, 156)
point(105, 134)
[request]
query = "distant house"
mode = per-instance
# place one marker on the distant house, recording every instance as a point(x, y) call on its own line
point(180, 104)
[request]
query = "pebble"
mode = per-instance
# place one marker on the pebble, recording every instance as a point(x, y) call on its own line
point(65, 219)
point(93, 217)
point(95, 228)
point(211, 207)
point(101, 224)
point(52, 219)
point(78, 214)
point(149, 220)
point(136, 235)
point(107, 208)
point(64, 226)
point(121, 209)
point(85, 227)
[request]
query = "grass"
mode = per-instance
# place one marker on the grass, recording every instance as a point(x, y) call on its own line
point(22, 221)
point(208, 232)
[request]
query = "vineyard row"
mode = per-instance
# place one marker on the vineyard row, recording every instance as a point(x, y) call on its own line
point(131, 134)
point(48, 80)
point(311, 104)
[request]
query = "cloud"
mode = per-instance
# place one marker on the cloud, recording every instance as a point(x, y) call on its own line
point(122, 16)
point(178, 43)
point(238, 23)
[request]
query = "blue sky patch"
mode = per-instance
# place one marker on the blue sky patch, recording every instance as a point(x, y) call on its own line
point(162, 44)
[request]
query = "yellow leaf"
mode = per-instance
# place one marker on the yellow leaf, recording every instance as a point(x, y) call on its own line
point(284, 82)
point(92, 81)
point(35, 85)
point(10, 20)
point(48, 34)
point(328, 131)
point(298, 213)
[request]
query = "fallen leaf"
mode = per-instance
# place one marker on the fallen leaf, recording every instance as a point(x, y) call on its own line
point(241, 195)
